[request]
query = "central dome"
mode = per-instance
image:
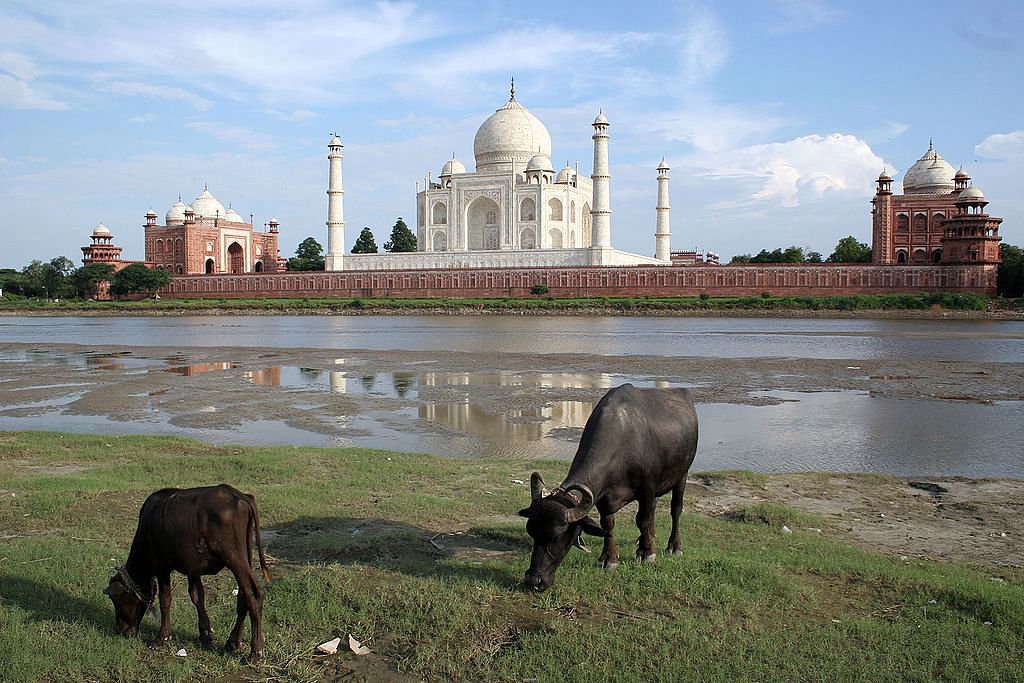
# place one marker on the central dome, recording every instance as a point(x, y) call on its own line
point(931, 174)
point(510, 134)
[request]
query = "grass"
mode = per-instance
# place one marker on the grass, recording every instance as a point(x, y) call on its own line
point(355, 549)
point(601, 305)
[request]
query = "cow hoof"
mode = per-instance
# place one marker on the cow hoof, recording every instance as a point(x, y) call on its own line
point(648, 558)
point(674, 553)
point(607, 566)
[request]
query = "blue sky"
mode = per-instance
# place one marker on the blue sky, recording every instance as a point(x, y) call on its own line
point(776, 116)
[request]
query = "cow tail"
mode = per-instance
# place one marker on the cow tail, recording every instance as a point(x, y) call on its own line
point(259, 540)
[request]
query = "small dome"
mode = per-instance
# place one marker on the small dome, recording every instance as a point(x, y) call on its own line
point(151, 214)
point(961, 174)
point(335, 142)
point(566, 174)
point(101, 231)
point(207, 206)
point(663, 166)
point(540, 162)
point(176, 214)
point(884, 175)
point(931, 174)
point(233, 216)
point(971, 194)
point(510, 134)
point(273, 221)
point(452, 167)
point(601, 118)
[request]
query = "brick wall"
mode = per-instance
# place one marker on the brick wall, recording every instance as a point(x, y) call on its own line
point(779, 280)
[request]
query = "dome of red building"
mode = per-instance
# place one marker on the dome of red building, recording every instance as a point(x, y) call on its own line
point(931, 174)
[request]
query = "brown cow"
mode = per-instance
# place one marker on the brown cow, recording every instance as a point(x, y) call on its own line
point(195, 532)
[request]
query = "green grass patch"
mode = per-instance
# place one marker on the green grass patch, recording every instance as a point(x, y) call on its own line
point(420, 557)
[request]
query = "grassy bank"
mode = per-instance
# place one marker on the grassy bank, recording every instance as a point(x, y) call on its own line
point(419, 557)
point(911, 303)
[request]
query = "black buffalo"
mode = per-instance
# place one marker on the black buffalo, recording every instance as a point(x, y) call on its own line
point(196, 532)
point(638, 444)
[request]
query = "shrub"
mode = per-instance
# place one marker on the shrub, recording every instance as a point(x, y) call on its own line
point(539, 290)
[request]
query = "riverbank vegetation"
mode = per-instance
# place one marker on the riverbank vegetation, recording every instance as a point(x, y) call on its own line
point(419, 557)
point(540, 303)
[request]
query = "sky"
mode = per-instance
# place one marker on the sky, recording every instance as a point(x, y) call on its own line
point(775, 116)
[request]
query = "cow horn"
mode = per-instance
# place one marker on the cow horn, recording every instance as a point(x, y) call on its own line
point(582, 508)
point(536, 486)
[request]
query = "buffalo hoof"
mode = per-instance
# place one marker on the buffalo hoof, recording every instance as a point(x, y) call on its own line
point(232, 646)
point(647, 558)
point(607, 565)
point(254, 658)
point(675, 553)
point(158, 643)
point(206, 639)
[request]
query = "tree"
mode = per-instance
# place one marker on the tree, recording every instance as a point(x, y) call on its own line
point(849, 250)
point(1010, 280)
point(34, 275)
point(87, 278)
point(365, 244)
point(308, 256)
point(813, 257)
point(741, 258)
point(402, 238)
point(137, 278)
point(55, 274)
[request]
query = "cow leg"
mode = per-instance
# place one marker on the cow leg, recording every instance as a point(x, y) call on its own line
point(645, 522)
point(609, 558)
point(250, 600)
point(164, 589)
point(677, 508)
point(197, 592)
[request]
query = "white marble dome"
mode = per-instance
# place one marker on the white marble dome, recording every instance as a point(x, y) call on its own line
point(452, 167)
point(101, 231)
point(510, 134)
point(206, 205)
point(931, 174)
point(566, 174)
point(175, 214)
point(233, 216)
point(971, 194)
point(540, 162)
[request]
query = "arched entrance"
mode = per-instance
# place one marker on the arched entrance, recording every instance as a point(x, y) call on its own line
point(236, 258)
point(209, 266)
point(482, 224)
point(258, 267)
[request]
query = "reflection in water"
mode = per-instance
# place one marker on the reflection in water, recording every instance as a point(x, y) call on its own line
point(200, 368)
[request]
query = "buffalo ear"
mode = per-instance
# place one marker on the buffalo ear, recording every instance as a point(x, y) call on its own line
point(525, 512)
point(589, 526)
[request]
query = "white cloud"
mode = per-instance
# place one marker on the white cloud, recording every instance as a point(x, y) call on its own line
point(142, 118)
point(241, 137)
point(796, 170)
point(294, 116)
point(18, 94)
point(1005, 146)
point(18, 65)
point(705, 48)
point(163, 92)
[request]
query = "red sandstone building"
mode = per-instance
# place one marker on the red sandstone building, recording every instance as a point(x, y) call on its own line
point(103, 250)
point(939, 219)
point(204, 238)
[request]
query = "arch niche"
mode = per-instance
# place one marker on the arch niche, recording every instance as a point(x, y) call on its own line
point(555, 238)
point(439, 214)
point(236, 258)
point(482, 224)
point(527, 210)
point(555, 209)
point(527, 239)
point(258, 267)
point(209, 266)
point(440, 241)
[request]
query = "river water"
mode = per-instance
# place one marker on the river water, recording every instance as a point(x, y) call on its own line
point(441, 412)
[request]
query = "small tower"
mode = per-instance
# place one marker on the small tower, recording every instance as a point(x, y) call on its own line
point(881, 220)
point(601, 212)
point(333, 261)
point(662, 231)
point(971, 235)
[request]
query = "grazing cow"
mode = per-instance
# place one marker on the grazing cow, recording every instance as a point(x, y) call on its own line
point(638, 444)
point(196, 532)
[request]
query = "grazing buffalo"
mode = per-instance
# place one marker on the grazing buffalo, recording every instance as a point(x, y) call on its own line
point(196, 532)
point(638, 444)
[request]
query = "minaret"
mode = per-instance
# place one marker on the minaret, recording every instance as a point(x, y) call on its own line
point(601, 213)
point(662, 232)
point(335, 209)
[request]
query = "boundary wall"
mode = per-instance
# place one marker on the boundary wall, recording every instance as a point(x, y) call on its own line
point(798, 279)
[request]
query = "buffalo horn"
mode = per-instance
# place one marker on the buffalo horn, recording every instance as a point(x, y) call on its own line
point(536, 486)
point(583, 508)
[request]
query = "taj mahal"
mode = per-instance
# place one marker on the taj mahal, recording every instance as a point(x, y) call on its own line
point(512, 211)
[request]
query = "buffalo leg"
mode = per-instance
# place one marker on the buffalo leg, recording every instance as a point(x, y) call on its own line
point(250, 601)
point(164, 589)
point(609, 558)
point(677, 508)
point(645, 522)
point(197, 592)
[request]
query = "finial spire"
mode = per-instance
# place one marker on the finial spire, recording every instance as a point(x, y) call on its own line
point(512, 98)
point(929, 144)
point(205, 188)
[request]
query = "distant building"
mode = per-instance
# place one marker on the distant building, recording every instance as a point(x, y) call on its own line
point(103, 250)
point(939, 219)
point(205, 238)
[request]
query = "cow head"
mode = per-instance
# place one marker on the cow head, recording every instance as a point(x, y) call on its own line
point(130, 604)
point(556, 522)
